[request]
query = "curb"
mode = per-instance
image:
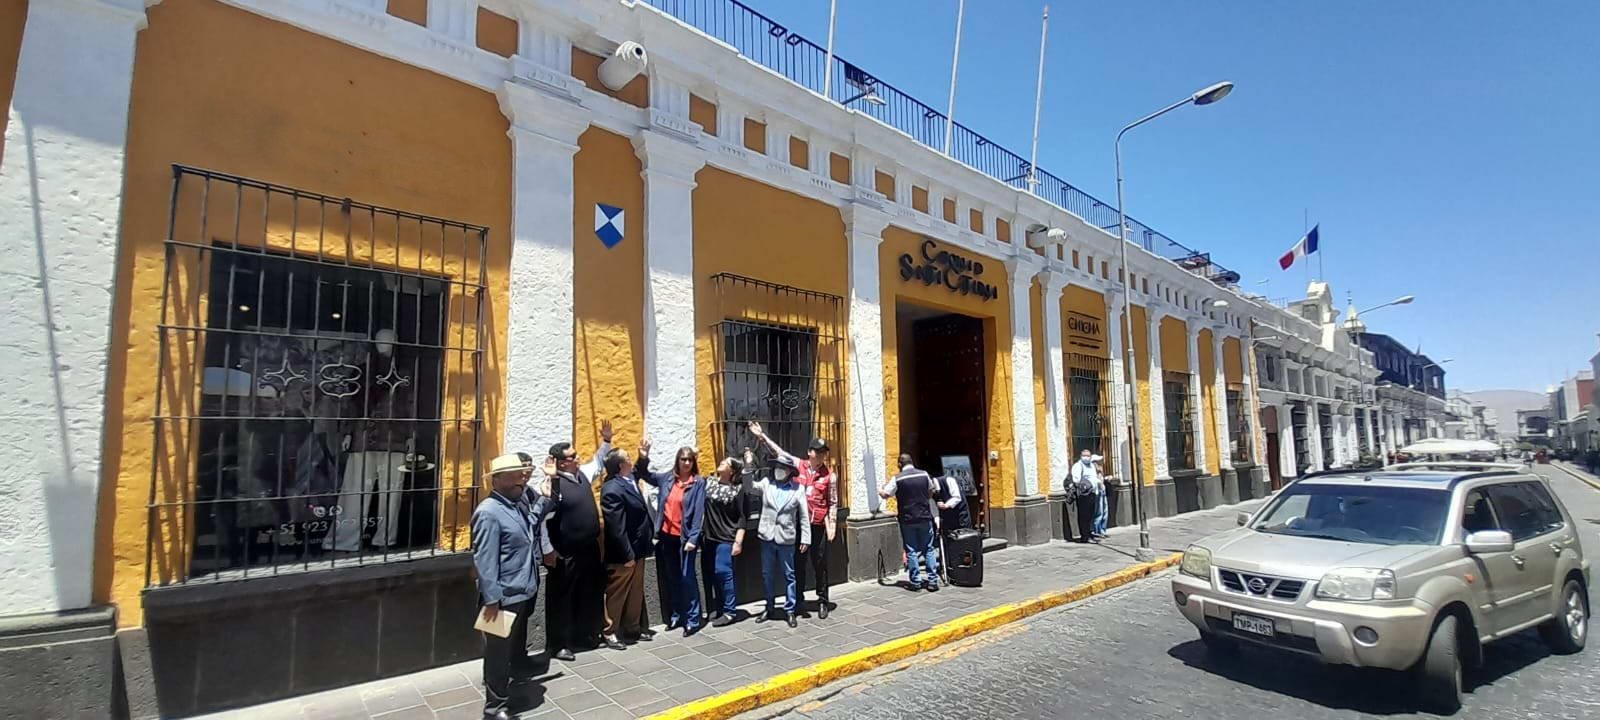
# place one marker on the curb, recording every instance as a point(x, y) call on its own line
point(805, 679)
point(1576, 475)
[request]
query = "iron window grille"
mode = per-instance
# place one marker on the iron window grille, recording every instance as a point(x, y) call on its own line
point(779, 360)
point(319, 399)
point(1361, 433)
point(1090, 395)
point(1325, 432)
point(1302, 445)
point(1238, 426)
point(1180, 421)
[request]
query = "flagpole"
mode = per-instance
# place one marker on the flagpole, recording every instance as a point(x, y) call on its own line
point(955, 63)
point(1038, 101)
point(827, 66)
point(1305, 227)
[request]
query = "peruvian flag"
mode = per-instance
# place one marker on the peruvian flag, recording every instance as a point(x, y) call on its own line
point(1306, 246)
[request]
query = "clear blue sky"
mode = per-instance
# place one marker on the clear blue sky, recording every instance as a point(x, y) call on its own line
point(1449, 149)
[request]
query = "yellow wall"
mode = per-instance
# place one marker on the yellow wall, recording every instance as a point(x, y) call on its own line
point(497, 33)
point(1174, 345)
point(703, 112)
point(225, 89)
point(919, 199)
point(415, 11)
point(1041, 404)
point(996, 316)
point(884, 183)
point(13, 15)
point(838, 168)
point(799, 153)
point(798, 242)
point(608, 293)
point(1209, 401)
point(1232, 365)
point(755, 135)
point(1139, 326)
point(1079, 301)
point(949, 210)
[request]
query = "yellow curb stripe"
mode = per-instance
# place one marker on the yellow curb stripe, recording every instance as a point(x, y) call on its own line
point(801, 680)
point(1579, 477)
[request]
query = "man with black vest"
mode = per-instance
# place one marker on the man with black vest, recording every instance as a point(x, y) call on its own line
point(913, 491)
point(575, 611)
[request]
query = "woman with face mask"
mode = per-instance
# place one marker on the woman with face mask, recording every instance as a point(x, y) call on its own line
point(785, 524)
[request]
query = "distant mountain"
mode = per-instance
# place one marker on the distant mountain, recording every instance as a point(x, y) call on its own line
point(1506, 403)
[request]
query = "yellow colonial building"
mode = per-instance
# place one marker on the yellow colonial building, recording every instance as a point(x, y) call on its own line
point(306, 266)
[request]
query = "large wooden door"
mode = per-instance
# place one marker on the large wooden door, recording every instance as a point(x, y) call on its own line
point(952, 400)
point(1269, 422)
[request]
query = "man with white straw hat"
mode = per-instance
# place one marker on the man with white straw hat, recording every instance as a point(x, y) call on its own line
point(507, 535)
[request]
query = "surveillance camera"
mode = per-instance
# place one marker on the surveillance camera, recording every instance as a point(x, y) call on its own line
point(627, 63)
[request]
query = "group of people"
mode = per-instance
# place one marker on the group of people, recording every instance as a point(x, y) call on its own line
point(693, 525)
point(1086, 486)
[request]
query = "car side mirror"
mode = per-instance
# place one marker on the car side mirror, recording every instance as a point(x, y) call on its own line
point(1489, 541)
point(1242, 519)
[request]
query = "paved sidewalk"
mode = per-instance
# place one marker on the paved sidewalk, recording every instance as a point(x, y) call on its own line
point(651, 677)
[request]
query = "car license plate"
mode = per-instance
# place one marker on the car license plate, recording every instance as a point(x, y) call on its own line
point(1253, 624)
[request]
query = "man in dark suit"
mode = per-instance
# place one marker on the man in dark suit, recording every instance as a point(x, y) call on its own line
point(629, 535)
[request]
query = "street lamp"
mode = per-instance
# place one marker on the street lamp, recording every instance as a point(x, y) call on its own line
point(1402, 300)
point(870, 95)
point(1205, 96)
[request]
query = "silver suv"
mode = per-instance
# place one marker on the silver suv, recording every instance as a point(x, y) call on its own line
point(1402, 568)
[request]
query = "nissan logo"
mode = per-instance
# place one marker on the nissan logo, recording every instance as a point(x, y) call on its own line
point(1257, 585)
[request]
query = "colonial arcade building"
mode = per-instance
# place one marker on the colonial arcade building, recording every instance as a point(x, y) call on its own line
point(311, 264)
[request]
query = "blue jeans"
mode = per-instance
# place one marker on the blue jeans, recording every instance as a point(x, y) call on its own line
point(678, 577)
point(1100, 514)
point(921, 549)
point(716, 566)
point(777, 559)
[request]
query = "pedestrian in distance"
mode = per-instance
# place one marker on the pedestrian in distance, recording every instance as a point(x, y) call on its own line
point(784, 528)
point(629, 539)
point(682, 498)
point(576, 611)
point(1081, 486)
point(508, 539)
point(727, 515)
point(822, 503)
point(913, 492)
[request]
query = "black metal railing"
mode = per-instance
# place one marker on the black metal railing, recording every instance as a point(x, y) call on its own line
point(1180, 407)
point(791, 55)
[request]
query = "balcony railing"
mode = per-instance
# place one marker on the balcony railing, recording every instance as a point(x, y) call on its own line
point(774, 46)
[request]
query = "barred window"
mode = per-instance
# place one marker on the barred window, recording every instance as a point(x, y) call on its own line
point(1325, 430)
point(1180, 407)
point(1361, 433)
point(1302, 439)
point(779, 361)
point(1089, 392)
point(318, 396)
point(1238, 426)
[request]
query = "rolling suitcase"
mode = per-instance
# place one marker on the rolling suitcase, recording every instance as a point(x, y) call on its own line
point(963, 557)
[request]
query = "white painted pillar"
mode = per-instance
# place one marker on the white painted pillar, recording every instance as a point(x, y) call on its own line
point(1198, 410)
point(1158, 400)
point(539, 344)
point(1219, 391)
point(869, 456)
point(1288, 464)
point(1314, 434)
point(1055, 387)
point(668, 167)
point(61, 182)
point(1024, 432)
point(1120, 402)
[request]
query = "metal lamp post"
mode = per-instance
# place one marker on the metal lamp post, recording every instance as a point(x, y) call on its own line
point(1206, 96)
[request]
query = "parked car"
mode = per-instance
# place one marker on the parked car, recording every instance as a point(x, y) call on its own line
point(1406, 569)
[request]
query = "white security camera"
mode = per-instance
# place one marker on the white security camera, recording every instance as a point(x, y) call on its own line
point(1040, 236)
point(627, 63)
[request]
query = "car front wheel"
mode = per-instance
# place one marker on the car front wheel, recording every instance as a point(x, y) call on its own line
point(1439, 673)
point(1569, 629)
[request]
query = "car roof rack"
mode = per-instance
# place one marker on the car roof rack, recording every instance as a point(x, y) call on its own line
point(1504, 472)
point(1470, 465)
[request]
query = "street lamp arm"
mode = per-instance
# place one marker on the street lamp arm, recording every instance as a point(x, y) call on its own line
point(1153, 116)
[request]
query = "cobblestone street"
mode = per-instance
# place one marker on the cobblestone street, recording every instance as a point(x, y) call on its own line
point(1129, 654)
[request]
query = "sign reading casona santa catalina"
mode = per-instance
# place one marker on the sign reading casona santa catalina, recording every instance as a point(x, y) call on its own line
point(957, 273)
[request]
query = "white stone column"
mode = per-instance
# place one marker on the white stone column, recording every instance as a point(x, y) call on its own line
point(61, 183)
point(1287, 449)
point(1055, 387)
point(1314, 434)
point(1120, 400)
point(1158, 400)
point(1219, 391)
point(668, 167)
point(1198, 409)
point(539, 345)
point(1024, 432)
point(869, 458)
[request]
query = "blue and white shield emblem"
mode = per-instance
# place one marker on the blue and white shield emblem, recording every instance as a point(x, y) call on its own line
point(608, 224)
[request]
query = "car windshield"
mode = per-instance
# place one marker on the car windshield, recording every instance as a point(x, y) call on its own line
point(1375, 514)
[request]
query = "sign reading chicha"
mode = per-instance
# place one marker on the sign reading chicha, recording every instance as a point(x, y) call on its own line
point(957, 273)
